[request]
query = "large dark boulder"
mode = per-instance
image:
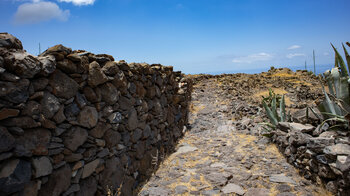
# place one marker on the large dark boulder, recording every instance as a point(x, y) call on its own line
point(14, 174)
point(58, 182)
point(10, 42)
point(7, 142)
point(63, 86)
point(22, 64)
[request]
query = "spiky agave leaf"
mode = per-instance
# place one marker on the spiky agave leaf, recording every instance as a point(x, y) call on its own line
point(347, 56)
point(343, 106)
point(344, 90)
point(336, 62)
point(344, 70)
point(327, 75)
point(313, 111)
point(337, 119)
point(335, 76)
point(274, 107)
point(270, 114)
point(268, 128)
point(283, 109)
point(329, 105)
point(330, 86)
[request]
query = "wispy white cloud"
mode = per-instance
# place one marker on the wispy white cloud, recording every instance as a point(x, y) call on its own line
point(326, 53)
point(79, 2)
point(292, 55)
point(39, 11)
point(253, 58)
point(293, 47)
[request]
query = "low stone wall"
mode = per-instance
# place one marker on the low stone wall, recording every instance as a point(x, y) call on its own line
point(320, 154)
point(75, 123)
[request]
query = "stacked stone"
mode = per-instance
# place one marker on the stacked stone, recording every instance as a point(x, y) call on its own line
point(320, 154)
point(75, 123)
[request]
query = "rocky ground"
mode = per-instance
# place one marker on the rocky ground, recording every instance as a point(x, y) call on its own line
point(222, 152)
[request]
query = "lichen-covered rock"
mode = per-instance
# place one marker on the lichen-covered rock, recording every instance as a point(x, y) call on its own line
point(15, 92)
point(338, 149)
point(48, 64)
point(115, 117)
point(49, 105)
point(88, 117)
point(10, 42)
point(23, 64)
point(120, 81)
point(109, 93)
point(110, 68)
point(96, 75)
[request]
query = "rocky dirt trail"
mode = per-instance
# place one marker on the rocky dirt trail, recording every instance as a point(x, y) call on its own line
point(217, 157)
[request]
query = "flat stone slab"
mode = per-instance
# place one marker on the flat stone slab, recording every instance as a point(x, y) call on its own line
point(257, 192)
point(301, 128)
point(185, 149)
point(280, 178)
point(233, 188)
point(218, 165)
point(338, 149)
point(156, 191)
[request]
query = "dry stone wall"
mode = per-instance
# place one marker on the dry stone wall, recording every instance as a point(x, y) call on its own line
point(320, 154)
point(75, 123)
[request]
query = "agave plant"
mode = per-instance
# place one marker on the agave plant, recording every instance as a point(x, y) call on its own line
point(271, 96)
point(274, 113)
point(336, 105)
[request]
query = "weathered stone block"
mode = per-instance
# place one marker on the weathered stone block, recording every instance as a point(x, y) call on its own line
point(88, 117)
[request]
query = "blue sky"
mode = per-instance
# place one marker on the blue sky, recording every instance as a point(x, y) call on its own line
point(194, 36)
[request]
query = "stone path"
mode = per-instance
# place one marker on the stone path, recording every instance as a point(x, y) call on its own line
point(214, 158)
